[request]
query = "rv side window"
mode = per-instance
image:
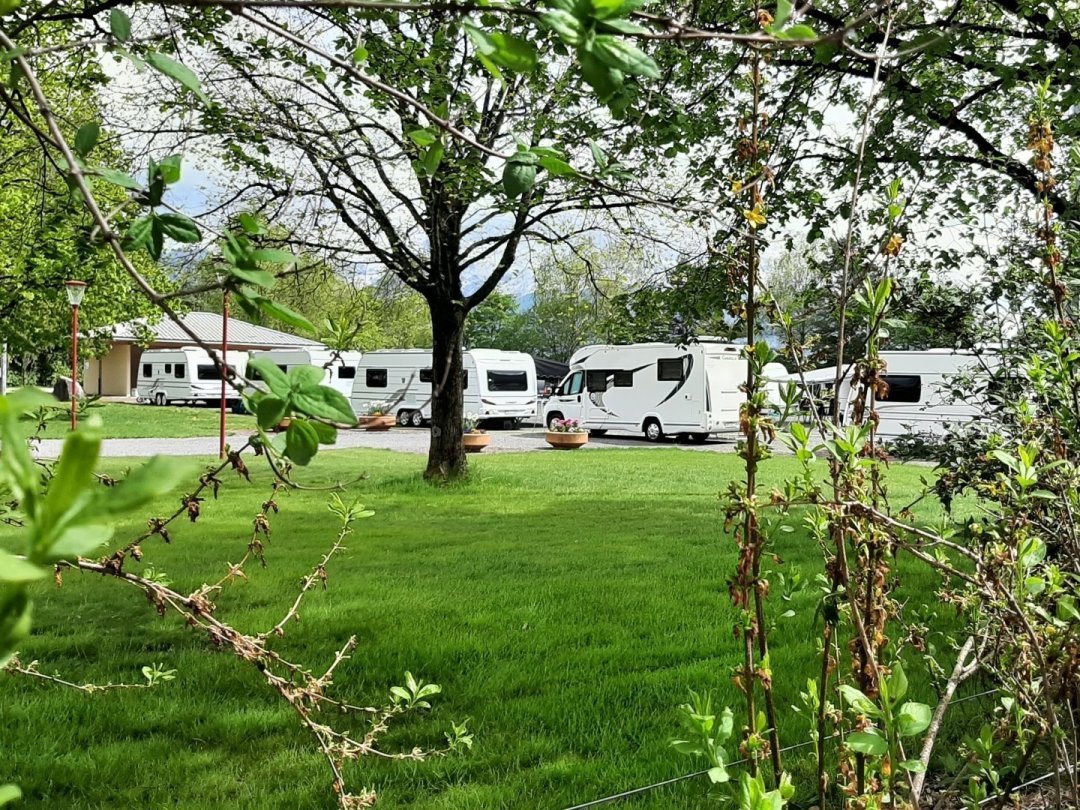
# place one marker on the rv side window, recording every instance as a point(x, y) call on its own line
point(596, 380)
point(346, 372)
point(902, 388)
point(669, 370)
point(207, 372)
point(425, 375)
point(376, 378)
point(507, 381)
point(573, 384)
point(147, 370)
point(178, 371)
point(168, 368)
point(624, 379)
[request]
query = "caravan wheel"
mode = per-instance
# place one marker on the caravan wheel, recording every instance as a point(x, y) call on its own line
point(403, 417)
point(416, 419)
point(653, 431)
point(553, 417)
point(159, 398)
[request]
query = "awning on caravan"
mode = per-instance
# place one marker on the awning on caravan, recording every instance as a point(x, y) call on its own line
point(550, 369)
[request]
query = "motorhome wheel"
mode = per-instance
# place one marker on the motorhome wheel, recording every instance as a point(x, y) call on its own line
point(552, 419)
point(416, 419)
point(403, 417)
point(653, 431)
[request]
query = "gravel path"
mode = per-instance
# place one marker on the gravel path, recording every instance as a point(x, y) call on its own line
point(403, 440)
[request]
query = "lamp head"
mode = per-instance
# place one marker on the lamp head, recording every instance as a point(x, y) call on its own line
point(75, 291)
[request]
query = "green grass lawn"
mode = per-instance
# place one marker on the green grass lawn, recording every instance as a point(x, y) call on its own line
point(128, 421)
point(565, 603)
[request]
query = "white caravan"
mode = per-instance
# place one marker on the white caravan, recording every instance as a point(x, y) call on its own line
point(339, 367)
point(498, 385)
point(921, 397)
point(186, 375)
point(654, 388)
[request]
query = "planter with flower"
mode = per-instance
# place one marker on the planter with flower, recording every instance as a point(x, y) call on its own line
point(377, 416)
point(566, 434)
point(472, 436)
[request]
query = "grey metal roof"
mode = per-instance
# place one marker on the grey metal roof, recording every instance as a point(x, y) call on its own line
point(207, 325)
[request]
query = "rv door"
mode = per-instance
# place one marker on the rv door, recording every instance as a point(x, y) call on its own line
point(569, 396)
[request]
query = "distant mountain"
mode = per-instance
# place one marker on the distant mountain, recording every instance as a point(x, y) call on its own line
point(525, 301)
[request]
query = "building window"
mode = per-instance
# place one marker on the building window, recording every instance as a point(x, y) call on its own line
point(902, 388)
point(178, 371)
point(346, 372)
point(624, 379)
point(670, 370)
point(507, 381)
point(147, 370)
point(376, 378)
point(596, 380)
point(426, 375)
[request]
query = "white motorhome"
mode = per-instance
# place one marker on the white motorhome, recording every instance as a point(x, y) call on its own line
point(654, 388)
point(186, 375)
point(339, 367)
point(498, 385)
point(921, 397)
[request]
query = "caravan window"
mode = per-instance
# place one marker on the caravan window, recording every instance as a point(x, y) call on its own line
point(147, 370)
point(902, 388)
point(465, 378)
point(669, 370)
point(346, 372)
point(178, 371)
point(573, 383)
point(206, 372)
point(376, 378)
point(624, 379)
point(597, 380)
point(507, 381)
point(425, 375)
point(168, 368)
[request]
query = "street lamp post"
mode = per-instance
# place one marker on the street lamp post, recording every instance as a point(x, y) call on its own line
point(75, 291)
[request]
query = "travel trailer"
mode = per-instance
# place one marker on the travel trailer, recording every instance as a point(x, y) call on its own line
point(186, 375)
point(921, 398)
point(498, 385)
point(339, 367)
point(653, 388)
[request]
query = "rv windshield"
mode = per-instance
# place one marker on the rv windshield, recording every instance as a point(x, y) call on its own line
point(507, 381)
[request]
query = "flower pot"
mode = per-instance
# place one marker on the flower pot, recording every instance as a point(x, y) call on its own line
point(475, 442)
point(566, 441)
point(384, 422)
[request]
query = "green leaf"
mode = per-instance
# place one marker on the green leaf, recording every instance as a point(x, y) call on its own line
point(8, 793)
point(605, 80)
point(898, 683)
point(327, 433)
point(178, 72)
point(180, 228)
point(283, 314)
point(359, 55)
point(913, 765)
point(557, 166)
point(566, 25)
point(16, 570)
point(865, 742)
point(913, 718)
point(78, 541)
point(159, 476)
point(139, 233)
point(518, 175)
point(513, 53)
point(800, 31)
point(169, 169)
point(86, 138)
point(270, 411)
point(70, 485)
point(251, 225)
point(272, 256)
point(432, 158)
point(120, 25)
point(615, 26)
point(783, 12)
point(15, 613)
point(301, 442)
point(625, 57)
point(260, 278)
point(302, 378)
point(9, 6)
point(423, 137)
point(860, 702)
point(326, 403)
point(273, 376)
point(117, 178)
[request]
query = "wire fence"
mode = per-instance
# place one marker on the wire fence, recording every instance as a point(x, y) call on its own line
point(626, 794)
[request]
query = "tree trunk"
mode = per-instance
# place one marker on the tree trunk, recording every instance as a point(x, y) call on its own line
point(446, 456)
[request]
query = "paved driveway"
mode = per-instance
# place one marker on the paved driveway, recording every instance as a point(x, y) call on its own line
point(403, 440)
